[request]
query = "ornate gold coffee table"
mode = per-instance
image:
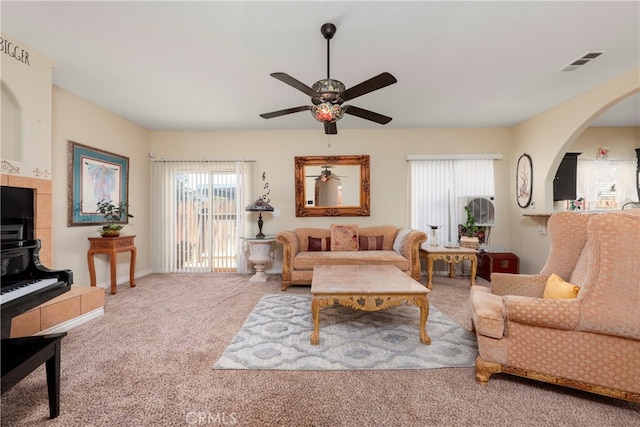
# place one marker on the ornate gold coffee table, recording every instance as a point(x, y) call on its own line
point(367, 288)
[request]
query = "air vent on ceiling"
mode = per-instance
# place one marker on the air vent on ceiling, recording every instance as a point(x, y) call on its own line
point(583, 60)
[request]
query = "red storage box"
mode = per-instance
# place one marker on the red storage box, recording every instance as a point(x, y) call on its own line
point(497, 262)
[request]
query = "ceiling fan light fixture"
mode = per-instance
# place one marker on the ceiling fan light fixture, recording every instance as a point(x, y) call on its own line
point(327, 112)
point(327, 95)
point(328, 85)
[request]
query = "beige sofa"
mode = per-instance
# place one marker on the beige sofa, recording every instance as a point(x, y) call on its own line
point(589, 342)
point(298, 260)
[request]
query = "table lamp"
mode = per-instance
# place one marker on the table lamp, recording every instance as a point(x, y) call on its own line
point(259, 206)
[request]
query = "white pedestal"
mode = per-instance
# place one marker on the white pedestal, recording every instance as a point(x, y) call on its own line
point(259, 254)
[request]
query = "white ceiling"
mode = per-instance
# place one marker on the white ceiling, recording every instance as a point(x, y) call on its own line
point(205, 65)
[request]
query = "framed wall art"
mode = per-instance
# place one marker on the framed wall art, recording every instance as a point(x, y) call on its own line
point(94, 175)
point(524, 180)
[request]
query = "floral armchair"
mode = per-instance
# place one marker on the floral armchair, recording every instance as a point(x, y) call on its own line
point(590, 342)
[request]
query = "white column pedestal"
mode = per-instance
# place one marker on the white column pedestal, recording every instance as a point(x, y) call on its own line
point(259, 254)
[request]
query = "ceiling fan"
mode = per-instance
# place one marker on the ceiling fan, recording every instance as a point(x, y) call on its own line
point(328, 95)
point(326, 175)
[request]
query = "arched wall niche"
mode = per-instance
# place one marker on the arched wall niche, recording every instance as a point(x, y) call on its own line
point(12, 147)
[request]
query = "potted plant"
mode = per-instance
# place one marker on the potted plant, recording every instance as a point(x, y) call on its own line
point(113, 215)
point(470, 239)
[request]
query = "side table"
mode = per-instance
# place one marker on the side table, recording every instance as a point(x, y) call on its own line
point(259, 254)
point(450, 256)
point(111, 246)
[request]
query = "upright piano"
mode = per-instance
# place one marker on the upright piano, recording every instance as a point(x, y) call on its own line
point(26, 283)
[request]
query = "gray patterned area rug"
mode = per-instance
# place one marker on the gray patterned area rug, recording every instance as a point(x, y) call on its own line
point(276, 336)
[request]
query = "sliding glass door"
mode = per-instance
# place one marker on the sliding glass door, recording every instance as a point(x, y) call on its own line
point(202, 216)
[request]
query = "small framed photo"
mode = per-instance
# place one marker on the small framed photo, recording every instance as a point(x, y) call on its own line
point(94, 175)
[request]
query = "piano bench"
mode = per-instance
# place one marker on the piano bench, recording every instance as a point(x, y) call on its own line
point(21, 356)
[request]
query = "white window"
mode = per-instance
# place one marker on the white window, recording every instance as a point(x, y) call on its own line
point(438, 187)
point(606, 184)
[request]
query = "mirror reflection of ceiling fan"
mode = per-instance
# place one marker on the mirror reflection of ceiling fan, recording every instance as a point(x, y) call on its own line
point(326, 175)
point(328, 95)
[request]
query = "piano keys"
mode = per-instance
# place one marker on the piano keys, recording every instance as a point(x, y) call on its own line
point(26, 283)
point(11, 291)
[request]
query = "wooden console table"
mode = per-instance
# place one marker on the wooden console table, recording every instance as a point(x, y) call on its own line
point(111, 246)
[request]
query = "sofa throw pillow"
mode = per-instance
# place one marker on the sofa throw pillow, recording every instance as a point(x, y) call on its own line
point(370, 243)
point(344, 237)
point(319, 244)
point(399, 242)
point(557, 288)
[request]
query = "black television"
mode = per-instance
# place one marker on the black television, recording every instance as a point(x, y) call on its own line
point(17, 213)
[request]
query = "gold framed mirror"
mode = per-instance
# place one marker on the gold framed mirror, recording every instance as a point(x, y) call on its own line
point(332, 186)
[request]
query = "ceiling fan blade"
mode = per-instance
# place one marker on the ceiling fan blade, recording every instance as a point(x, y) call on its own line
point(366, 114)
point(330, 128)
point(286, 78)
point(374, 83)
point(285, 112)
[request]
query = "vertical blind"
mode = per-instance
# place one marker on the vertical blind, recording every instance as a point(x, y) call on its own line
point(198, 215)
point(606, 184)
point(437, 190)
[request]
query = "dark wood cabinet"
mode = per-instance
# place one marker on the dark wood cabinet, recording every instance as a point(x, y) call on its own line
point(497, 262)
point(564, 183)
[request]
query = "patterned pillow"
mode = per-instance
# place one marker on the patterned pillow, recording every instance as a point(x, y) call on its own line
point(344, 237)
point(319, 244)
point(370, 243)
point(398, 243)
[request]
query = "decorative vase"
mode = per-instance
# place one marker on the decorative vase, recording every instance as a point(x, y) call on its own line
point(259, 254)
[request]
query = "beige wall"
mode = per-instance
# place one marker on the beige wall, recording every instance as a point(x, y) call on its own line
point(28, 79)
point(274, 153)
point(546, 138)
point(622, 142)
point(80, 121)
point(26, 131)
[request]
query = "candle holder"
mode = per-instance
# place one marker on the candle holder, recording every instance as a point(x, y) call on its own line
point(433, 241)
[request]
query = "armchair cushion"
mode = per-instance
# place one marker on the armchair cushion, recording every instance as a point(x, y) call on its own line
point(557, 288)
point(344, 237)
point(531, 285)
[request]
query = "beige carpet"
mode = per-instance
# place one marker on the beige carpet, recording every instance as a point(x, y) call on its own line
point(147, 362)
